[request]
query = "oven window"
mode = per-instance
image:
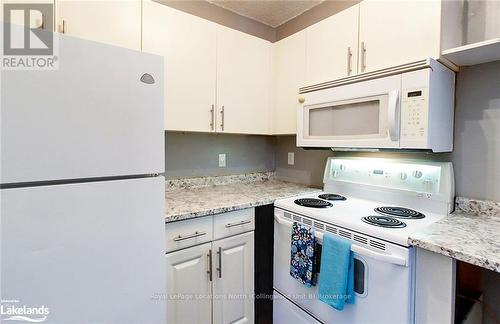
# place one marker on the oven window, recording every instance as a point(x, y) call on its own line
point(360, 118)
point(359, 276)
point(359, 270)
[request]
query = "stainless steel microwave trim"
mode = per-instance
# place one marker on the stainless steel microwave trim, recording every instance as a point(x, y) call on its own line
point(418, 65)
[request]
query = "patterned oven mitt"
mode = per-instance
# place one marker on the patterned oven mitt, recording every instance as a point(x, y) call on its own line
point(302, 254)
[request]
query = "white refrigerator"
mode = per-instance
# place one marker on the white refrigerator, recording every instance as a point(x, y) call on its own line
point(82, 192)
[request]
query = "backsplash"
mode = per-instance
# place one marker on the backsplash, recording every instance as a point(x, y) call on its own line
point(197, 154)
point(477, 207)
point(173, 184)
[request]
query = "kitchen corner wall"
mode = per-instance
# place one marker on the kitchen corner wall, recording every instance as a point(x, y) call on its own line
point(308, 165)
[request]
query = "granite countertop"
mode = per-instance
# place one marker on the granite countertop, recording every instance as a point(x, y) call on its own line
point(471, 234)
point(185, 200)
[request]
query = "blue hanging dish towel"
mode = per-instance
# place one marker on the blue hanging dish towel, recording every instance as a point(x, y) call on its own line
point(336, 282)
point(302, 254)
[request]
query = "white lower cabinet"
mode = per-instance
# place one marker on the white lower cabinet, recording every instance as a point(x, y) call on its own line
point(189, 286)
point(211, 282)
point(234, 279)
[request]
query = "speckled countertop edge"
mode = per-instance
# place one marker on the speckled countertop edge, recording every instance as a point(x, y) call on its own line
point(231, 193)
point(470, 234)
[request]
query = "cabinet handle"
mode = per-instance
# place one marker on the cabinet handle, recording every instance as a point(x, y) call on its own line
point(209, 259)
point(222, 119)
point(190, 236)
point(63, 27)
point(219, 255)
point(363, 56)
point(212, 118)
point(349, 60)
point(243, 222)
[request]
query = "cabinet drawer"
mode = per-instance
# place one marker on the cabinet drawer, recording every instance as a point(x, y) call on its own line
point(234, 222)
point(188, 233)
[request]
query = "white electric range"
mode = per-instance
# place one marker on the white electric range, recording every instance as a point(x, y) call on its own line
point(376, 204)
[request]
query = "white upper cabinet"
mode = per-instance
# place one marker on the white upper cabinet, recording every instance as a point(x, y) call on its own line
point(289, 76)
point(188, 45)
point(244, 83)
point(116, 22)
point(332, 47)
point(394, 32)
point(36, 18)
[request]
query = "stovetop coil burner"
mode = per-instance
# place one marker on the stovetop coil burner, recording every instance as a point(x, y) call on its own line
point(400, 212)
point(333, 197)
point(383, 221)
point(312, 202)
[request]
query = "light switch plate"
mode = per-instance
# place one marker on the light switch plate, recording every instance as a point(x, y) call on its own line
point(291, 158)
point(222, 160)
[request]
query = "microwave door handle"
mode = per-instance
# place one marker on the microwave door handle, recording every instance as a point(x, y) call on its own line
point(393, 115)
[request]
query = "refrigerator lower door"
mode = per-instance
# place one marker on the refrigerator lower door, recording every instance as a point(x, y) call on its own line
point(89, 252)
point(77, 121)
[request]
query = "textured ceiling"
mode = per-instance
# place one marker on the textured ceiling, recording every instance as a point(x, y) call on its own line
point(270, 12)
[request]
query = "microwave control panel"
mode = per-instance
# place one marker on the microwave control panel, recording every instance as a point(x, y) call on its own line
point(414, 113)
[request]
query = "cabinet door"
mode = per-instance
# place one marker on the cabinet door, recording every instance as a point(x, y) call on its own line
point(332, 47)
point(188, 45)
point(289, 73)
point(410, 32)
point(244, 77)
point(189, 286)
point(234, 279)
point(36, 19)
point(115, 22)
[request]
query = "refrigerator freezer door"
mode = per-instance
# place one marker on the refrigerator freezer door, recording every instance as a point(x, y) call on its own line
point(81, 120)
point(90, 253)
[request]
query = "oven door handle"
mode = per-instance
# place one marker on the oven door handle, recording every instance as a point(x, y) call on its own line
point(388, 258)
point(393, 115)
point(384, 257)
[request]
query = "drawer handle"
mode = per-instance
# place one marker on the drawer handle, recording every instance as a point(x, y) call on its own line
point(243, 222)
point(190, 236)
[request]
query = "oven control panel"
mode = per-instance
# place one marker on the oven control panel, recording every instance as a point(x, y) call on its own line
point(414, 113)
point(409, 175)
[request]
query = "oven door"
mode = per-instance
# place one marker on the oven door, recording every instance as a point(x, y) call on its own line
point(382, 283)
point(358, 115)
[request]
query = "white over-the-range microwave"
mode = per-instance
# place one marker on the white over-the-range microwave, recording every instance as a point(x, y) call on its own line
point(409, 107)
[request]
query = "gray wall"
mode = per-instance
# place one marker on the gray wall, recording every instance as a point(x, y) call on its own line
point(197, 154)
point(476, 156)
point(309, 164)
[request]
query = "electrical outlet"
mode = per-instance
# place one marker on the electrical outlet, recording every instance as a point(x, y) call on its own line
point(291, 158)
point(222, 160)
